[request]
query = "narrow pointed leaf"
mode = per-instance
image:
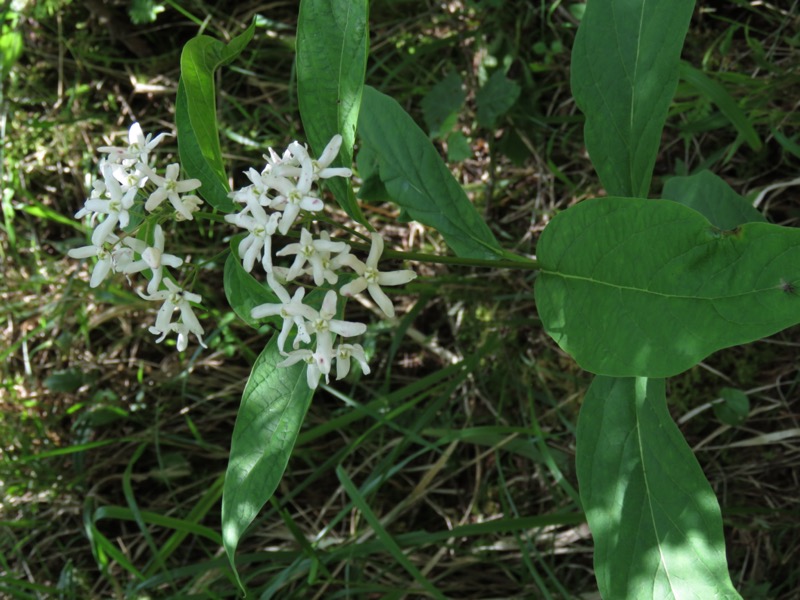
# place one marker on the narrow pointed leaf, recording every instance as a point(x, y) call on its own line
point(724, 101)
point(633, 287)
point(196, 113)
point(656, 523)
point(417, 179)
point(273, 407)
point(709, 195)
point(624, 74)
point(332, 48)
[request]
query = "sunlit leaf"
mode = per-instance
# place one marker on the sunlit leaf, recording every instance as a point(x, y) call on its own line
point(656, 523)
point(633, 287)
point(273, 407)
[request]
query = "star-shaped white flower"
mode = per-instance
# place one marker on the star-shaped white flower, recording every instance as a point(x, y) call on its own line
point(290, 310)
point(323, 324)
point(176, 297)
point(321, 168)
point(344, 352)
point(153, 258)
point(169, 188)
point(312, 370)
point(99, 192)
point(104, 256)
point(370, 278)
point(261, 228)
point(316, 253)
point(260, 189)
point(113, 200)
point(139, 146)
point(273, 161)
point(294, 196)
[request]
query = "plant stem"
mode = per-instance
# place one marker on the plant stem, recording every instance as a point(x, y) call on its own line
point(530, 265)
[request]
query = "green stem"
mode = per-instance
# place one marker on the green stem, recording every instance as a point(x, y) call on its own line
point(530, 265)
point(210, 216)
point(525, 264)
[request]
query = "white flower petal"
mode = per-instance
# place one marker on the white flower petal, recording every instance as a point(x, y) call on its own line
point(396, 277)
point(347, 328)
point(330, 152)
point(381, 299)
point(265, 310)
point(375, 250)
point(83, 252)
point(101, 269)
point(354, 287)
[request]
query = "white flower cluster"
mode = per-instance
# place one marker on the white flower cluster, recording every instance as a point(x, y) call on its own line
point(128, 178)
point(272, 203)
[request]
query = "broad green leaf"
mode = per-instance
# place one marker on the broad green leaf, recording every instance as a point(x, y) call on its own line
point(632, 287)
point(441, 105)
point(417, 179)
point(624, 74)
point(713, 198)
point(273, 407)
point(243, 291)
point(734, 408)
point(726, 104)
point(332, 48)
point(372, 188)
point(656, 523)
point(196, 113)
point(495, 99)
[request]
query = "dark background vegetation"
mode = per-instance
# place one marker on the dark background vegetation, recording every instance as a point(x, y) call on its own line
point(112, 448)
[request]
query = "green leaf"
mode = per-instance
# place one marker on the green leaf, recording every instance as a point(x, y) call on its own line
point(332, 48)
point(633, 287)
point(243, 291)
point(734, 408)
point(273, 407)
point(495, 99)
point(417, 179)
point(656, 523)
point(10, 49)
point(713, 198)
point(788, 144)
point(726, 104)
point(624, 74)
point(372, 188)
point(441, 105)
point(196, 113)
point(65, 381)
point(458, 147)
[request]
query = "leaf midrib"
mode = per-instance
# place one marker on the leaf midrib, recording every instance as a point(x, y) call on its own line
point(652, 292)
